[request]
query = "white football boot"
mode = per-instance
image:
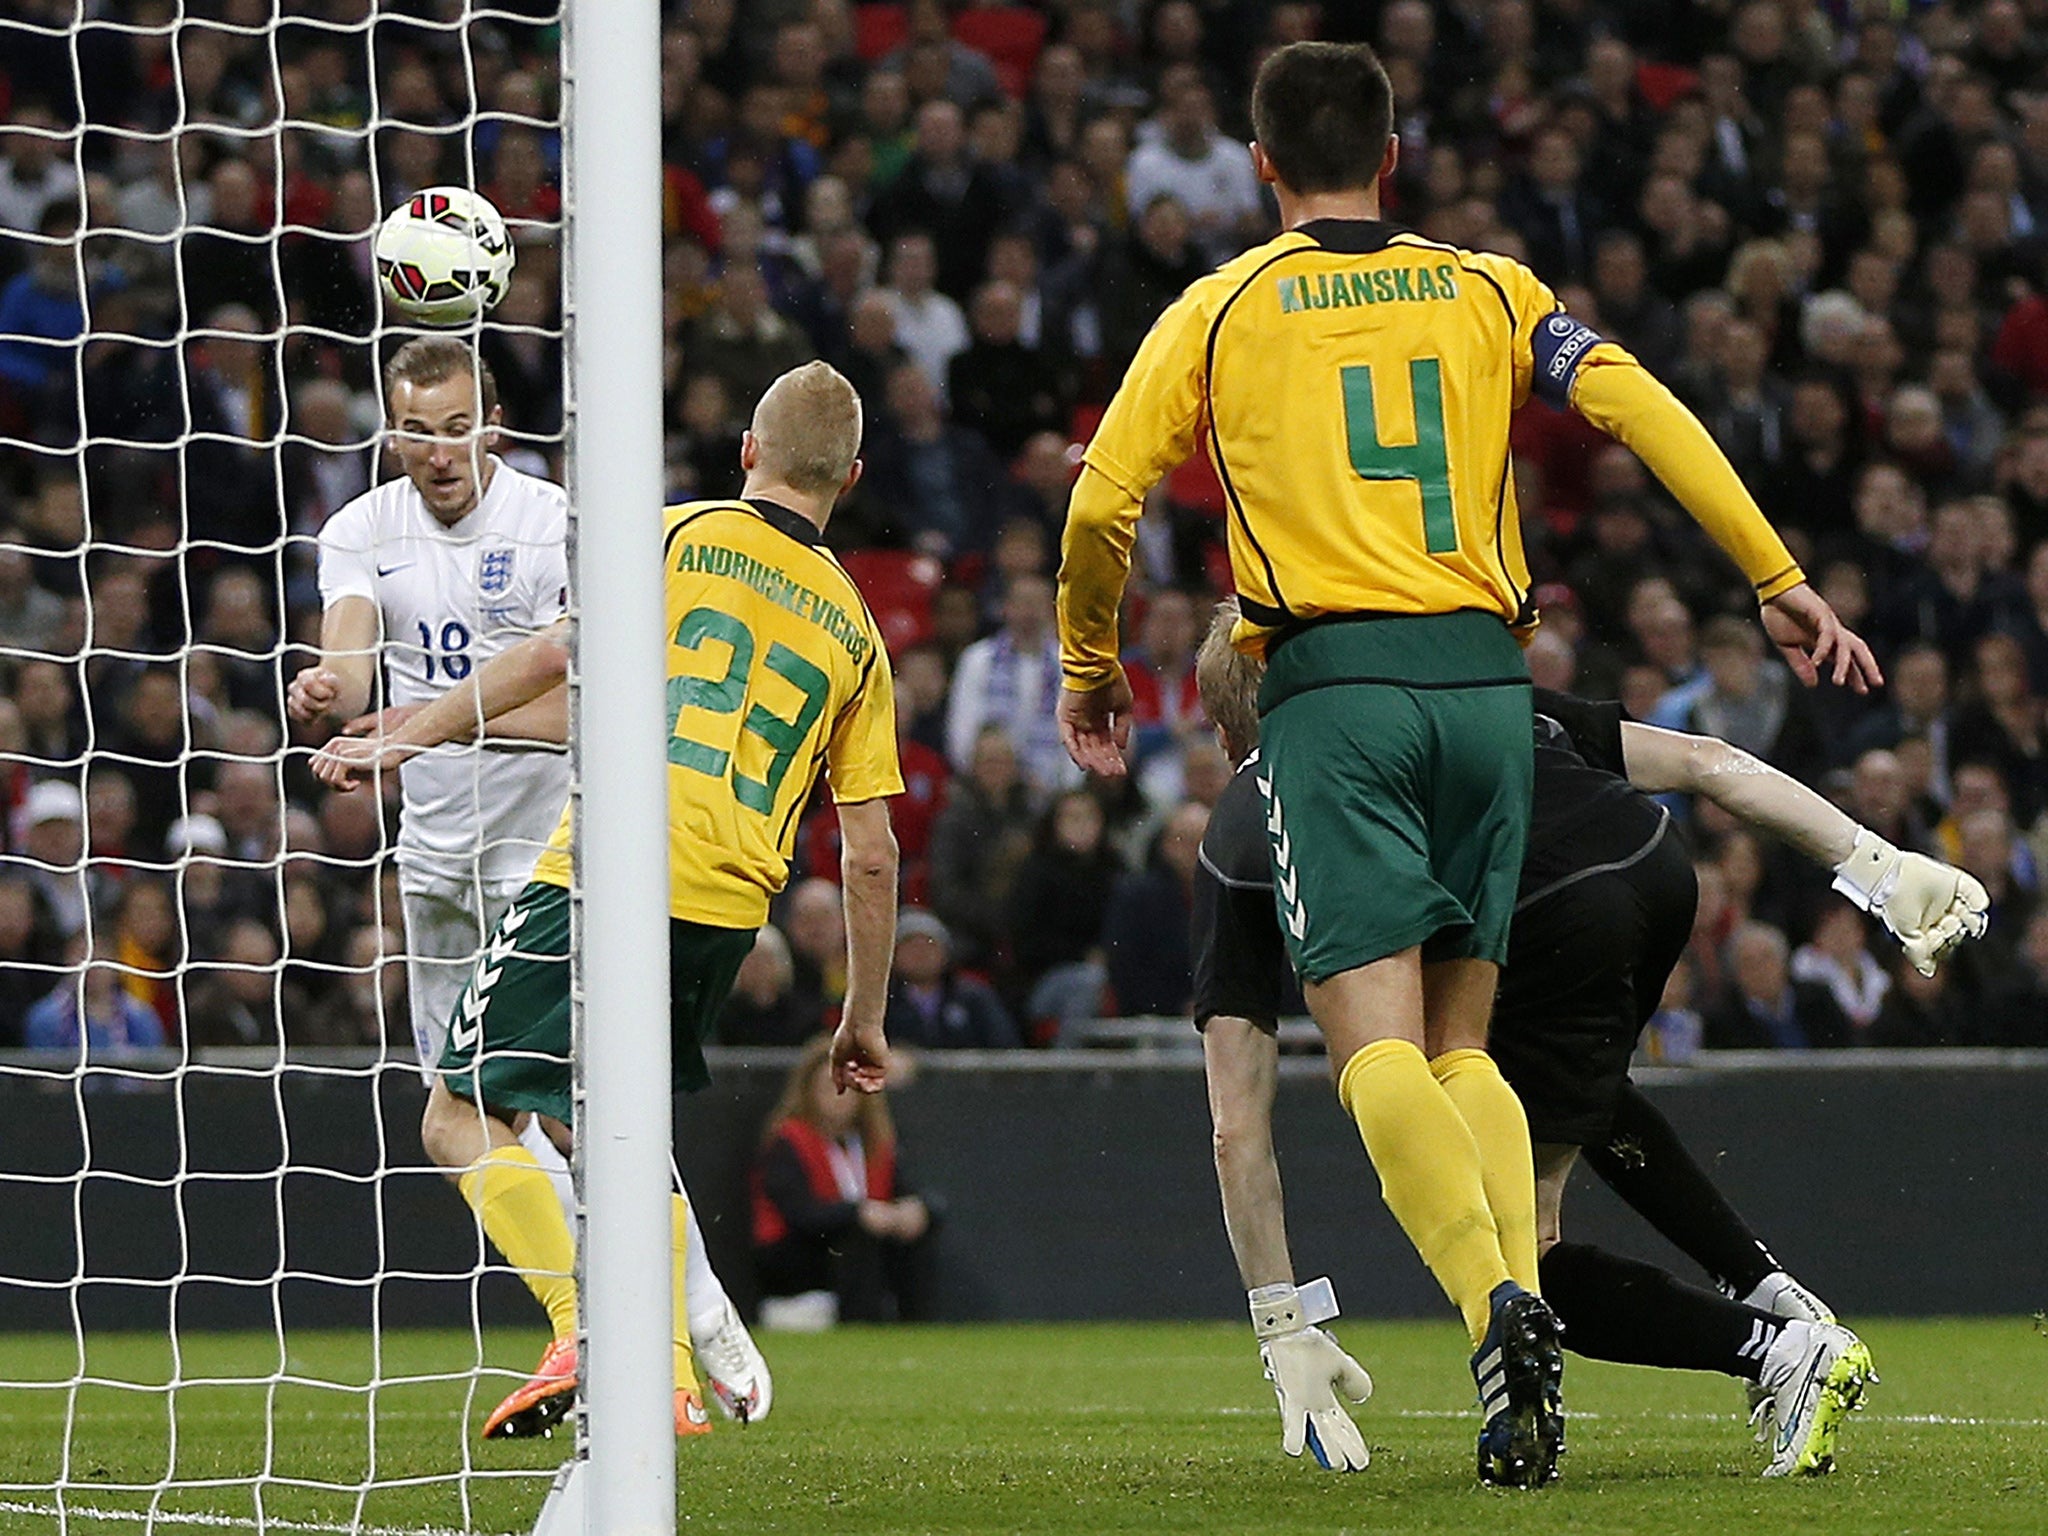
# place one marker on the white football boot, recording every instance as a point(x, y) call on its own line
point(733, 1366)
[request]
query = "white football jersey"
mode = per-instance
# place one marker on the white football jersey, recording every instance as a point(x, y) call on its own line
point(449, 599)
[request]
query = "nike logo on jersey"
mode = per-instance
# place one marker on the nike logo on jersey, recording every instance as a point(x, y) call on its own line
point(393, 570)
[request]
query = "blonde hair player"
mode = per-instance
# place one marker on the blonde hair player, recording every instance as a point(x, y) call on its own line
point(776, 672)
point(423, 579)
point(1603, 912)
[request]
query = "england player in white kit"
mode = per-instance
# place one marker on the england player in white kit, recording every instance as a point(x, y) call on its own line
point(431, 574)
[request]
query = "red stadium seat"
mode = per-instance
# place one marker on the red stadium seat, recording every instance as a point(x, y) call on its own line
point(1195, 486)
point(898, 585)
point(879, 30)
point(1010, 36)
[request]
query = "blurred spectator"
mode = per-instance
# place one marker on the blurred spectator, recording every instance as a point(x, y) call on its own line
point(764, 1008)
point(1673, 1033)
point(932, 1005)
point(977, 843)
point(1838, 957)
point(956, 203)
point(1004, 388)
point(52, 839)
point(236, 997)
point(1012, 679)
point(365, 1004)
point(147, 947)
point(29, 615)
point(1189, 161)
point(2003, 726)
point(1753, 702)
point(929, 326)
point(43, 302)
point(36, 172)
point(1145, 930)
point(831, 1211)
point(1057, 905)
point(90, 1008)
point(25, 960)
point(743, 343)
point(1166, 709)
point(931, 484)
point(814, 919)
point(1767, 1009)
point(1137, 278)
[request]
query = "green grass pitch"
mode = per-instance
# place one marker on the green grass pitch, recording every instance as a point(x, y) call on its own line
point(1107, 1428)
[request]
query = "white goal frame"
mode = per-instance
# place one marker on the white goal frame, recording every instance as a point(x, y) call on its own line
point(623, 1483)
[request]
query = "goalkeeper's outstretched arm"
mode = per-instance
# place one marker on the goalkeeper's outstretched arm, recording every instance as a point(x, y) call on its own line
point(1928, 906)
point(520, 694)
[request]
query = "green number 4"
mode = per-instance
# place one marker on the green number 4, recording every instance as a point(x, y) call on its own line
point(725, 695)
point(1422, 461)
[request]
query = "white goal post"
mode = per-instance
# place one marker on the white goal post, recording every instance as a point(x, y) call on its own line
point(235, 1294)
point(622, 1038)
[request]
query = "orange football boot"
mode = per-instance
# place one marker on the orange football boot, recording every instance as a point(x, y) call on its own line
point(691, 1419)
point(548, 1394)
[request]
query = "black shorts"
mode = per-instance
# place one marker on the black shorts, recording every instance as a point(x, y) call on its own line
point(1587, 963)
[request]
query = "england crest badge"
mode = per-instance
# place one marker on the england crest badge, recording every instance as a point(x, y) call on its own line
point(494, 572)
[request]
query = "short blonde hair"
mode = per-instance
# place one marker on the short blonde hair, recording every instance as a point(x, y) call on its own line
point(807, 428)
point(1229, 681)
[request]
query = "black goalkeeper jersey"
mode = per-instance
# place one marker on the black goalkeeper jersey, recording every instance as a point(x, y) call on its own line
point(1586, 819)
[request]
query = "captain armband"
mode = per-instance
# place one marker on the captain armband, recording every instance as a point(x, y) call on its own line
point(1560, 344)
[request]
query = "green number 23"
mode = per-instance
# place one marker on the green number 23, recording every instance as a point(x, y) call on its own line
point(725, 695)
point(1423, 461)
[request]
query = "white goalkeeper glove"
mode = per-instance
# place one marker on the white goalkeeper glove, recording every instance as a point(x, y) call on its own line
point(1928, 906)
point(1306, 1366)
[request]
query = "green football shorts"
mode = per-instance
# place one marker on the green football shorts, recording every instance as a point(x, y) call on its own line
point(508, 1042)
point(1396, 763)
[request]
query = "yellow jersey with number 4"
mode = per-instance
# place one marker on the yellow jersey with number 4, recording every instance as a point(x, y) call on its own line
point(1353, 384)
point(776, 671)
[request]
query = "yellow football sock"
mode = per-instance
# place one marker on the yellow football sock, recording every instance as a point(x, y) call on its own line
point(686, 1357)
point(1429, 1171)
point(1494, 1116)
point(515, 1199)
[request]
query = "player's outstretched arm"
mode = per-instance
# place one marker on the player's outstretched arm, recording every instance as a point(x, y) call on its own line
point(1306, 1365)
point(517, 685)
point(867, 868)
point(1621, 397)
point(339, 685)
point(1928, 906)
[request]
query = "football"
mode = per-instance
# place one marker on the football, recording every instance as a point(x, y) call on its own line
point(443, 256)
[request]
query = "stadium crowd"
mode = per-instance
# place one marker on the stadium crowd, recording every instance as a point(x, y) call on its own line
point(1821, 221)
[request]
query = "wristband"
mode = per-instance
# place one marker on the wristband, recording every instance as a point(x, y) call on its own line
point(1318, 1300)
point(1278, 1309)
point(1871, 872)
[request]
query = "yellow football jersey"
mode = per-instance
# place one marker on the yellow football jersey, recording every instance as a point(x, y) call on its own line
point(1353, 384)
point(776, 670)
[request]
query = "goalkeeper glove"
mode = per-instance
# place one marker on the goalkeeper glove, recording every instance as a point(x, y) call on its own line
point(1928, 906)
point(1305, 1366)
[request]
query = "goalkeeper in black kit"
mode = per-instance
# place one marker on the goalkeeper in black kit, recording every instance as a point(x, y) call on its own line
point(1604, 910)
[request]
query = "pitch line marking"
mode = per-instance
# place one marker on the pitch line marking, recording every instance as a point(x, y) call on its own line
point(83, 1512)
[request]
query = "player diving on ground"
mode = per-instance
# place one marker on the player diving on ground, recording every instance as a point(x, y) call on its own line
point(1353, 384)
point(776, 673)
point(1603, 912)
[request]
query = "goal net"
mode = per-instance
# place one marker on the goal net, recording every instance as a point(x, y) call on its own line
point(234, 1294)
